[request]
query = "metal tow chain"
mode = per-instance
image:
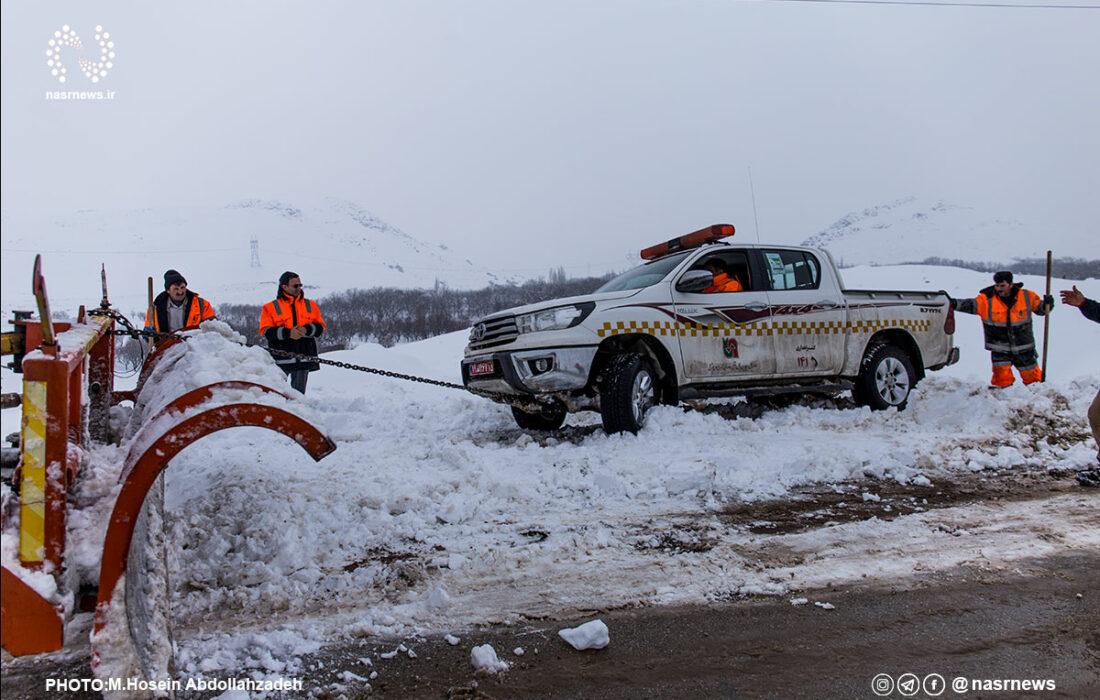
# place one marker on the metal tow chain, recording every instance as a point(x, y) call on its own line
point(111, 313)
point(133, 332)
point(361, 368)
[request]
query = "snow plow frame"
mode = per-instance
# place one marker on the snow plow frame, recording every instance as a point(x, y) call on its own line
point(55, 425)
point(68, 383)
point(68, 392)
point(142, 469)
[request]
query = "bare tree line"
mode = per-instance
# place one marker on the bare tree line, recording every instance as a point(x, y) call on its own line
point(1066, 268)
point(387, 316)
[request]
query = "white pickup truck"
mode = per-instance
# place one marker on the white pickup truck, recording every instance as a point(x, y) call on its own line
point(662, 333)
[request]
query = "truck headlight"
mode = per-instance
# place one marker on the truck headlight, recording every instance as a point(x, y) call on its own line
point(555, 318)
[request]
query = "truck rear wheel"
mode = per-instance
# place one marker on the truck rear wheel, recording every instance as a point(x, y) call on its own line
point(628, 391)
point(885, 378)
point(549, 417)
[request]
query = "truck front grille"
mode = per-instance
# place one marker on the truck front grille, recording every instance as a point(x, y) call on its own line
point(493, 332)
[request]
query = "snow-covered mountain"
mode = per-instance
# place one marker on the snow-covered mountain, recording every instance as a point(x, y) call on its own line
point(912, 230)
point(336, 245)
point(333, 244)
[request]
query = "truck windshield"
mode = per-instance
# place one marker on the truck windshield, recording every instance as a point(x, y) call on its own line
point(645, 275)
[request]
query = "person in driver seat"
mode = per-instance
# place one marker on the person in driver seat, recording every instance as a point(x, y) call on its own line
point(723, 281)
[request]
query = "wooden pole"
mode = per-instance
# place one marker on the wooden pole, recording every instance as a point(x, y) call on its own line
point(1046, 320)
point(104, 303)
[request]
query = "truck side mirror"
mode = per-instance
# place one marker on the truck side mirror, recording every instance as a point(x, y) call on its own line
point(695, 281)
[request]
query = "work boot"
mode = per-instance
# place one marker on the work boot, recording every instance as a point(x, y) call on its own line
point(1002, 376)
point(1089, 477)
point(1030, 376)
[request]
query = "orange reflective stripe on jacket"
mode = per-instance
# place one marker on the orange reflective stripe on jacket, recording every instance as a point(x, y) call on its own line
point(286, 313)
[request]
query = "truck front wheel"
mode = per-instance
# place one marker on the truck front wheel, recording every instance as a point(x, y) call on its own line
point(628, 391)
point(885, 378)
point(548, 417)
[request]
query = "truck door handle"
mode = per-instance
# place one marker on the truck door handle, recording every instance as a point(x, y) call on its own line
point(827, 304)
point(756, 306)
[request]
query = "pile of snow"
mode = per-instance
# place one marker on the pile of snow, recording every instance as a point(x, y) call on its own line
point(485, 658)
point(590, 635)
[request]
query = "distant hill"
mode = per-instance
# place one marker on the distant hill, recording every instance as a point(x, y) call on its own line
point(333, 244)
point(910, 230)
point(338, 245)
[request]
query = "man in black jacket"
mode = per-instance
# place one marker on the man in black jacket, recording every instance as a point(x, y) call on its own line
point(1091, 310)
point(177, 307)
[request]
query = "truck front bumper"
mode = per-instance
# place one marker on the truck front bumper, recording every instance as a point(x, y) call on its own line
point(530, 371)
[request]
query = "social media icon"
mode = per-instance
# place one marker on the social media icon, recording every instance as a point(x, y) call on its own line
point(959, 685)
point(908, 684)
point(882, 685)
point(934, 684)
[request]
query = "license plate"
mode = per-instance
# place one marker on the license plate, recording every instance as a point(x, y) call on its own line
point(480, 368)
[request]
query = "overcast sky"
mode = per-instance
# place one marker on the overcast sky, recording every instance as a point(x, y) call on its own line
point(524, 126)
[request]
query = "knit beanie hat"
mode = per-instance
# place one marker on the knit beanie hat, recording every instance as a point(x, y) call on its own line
point(172, 277)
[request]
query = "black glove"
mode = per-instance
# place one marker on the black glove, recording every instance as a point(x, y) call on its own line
point(1048, 301)
point(954, 302)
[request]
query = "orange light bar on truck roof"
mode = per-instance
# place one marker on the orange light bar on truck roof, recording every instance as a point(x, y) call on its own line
point(691, 240)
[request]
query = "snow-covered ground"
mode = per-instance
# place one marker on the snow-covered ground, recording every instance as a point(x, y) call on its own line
point(437, 513)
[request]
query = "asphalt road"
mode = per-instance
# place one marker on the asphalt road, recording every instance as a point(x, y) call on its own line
point(1039, 623)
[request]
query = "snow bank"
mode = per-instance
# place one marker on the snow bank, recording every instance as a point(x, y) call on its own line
point(436, 508)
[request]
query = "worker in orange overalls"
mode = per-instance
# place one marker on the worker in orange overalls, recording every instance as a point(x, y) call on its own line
point(292, 323)
point(177, 307)
point(1006, 310)
point(723, 282)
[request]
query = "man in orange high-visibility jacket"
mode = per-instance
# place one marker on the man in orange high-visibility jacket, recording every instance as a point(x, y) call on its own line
point(1006, 310)
point(177, 307)
point(292, 323)
point(723, 281)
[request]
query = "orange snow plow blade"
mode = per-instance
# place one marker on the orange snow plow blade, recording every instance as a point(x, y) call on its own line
point(28, 624)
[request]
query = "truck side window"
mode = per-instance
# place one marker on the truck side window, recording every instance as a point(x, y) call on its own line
point(734, 265)
point(792, 269)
